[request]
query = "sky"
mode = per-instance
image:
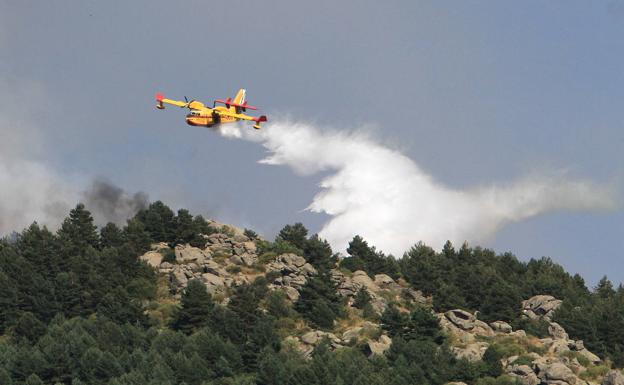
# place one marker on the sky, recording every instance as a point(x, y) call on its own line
point(474, 92)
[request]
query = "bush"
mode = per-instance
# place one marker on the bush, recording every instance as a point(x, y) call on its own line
point(267, 257)
point(233, 269)
point(277, 304)
point(250, 234)
point(502, 380)
point(169, 256)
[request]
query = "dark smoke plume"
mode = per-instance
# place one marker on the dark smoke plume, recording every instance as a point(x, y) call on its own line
point(110, 203)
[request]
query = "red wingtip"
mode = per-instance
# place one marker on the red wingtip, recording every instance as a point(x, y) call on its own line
point(160, 97)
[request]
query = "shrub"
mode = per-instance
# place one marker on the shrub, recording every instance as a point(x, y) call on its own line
point(233, 269)
point(169, 256)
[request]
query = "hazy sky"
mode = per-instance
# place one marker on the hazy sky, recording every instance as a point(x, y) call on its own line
point(475, 92)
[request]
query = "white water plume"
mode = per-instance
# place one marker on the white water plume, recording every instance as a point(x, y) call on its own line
point(382, 195)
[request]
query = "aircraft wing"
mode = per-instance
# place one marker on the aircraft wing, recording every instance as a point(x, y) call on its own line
point(193, 104)
point(258, 119)
point(160, 98)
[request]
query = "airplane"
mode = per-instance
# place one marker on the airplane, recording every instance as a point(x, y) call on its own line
point(200, 115)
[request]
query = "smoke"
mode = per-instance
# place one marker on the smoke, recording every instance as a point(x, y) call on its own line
point(31, 189)
point(385, 197)
point(110, 203)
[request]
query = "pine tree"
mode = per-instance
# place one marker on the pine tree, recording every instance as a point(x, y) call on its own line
point(604, 289)
point(319, 303)
point(78, 232)
point(159, 222)
point(294, 234)
point(8, 301)
point(111, 236)
point(41, 248)
point(28, 328)
point(195, 310)
point(318, 253)
point(136, 236)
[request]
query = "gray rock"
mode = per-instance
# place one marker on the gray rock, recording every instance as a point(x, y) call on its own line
point(482, 329)
point(614, 377)
point(211, 266)
point(187, 253)
point(308, 270)
point(415, 296)
point(361, 280)
point(383, 280)
point(351, 334)
point(460, 318)
point(501, 327)
point(250, 247)
point(472, 352)
point(315, 336)
point(558, 347)
point(236, 259)
point(153, 258)
point(179, 279)
point(557, 332)
point(292, 260)
point(249, 259)
point(298, 281)
point(518, 333)
point(558, 372)
point(291, 293)
point(524, 374)
point(380, 346)
point(594, 359)
point(212, 279)
point(540, 307)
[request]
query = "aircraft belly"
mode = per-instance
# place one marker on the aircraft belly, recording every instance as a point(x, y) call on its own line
point(199, 121)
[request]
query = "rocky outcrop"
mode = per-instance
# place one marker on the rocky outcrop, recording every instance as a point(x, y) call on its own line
point(557, 332)
point(308, 341)
point(465, 326)
point(558, 374)
point(540, 307)
point(314, 337)
point(415, 297)
point(471, 352)
point(501, 327)
point(154, 257)
point(380, 346)
point(210, 264)
point(290, 272)
point(187, 253)
point(524, 374)
point(614, 377)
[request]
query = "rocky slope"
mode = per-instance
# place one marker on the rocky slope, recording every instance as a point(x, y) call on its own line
point(230, 258)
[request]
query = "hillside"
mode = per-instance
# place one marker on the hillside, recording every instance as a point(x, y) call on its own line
point(174, 298)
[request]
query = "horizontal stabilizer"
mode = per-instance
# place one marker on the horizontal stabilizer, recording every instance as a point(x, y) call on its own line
point(228, 103)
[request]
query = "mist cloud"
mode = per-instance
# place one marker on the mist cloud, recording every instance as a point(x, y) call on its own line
point(387, 198)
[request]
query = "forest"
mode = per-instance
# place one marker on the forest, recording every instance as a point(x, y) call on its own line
point(76, 308)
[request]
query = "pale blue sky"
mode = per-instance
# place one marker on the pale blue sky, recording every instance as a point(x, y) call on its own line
point(474, 91)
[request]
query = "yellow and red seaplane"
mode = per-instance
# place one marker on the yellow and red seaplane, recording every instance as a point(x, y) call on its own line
point(200, 115)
